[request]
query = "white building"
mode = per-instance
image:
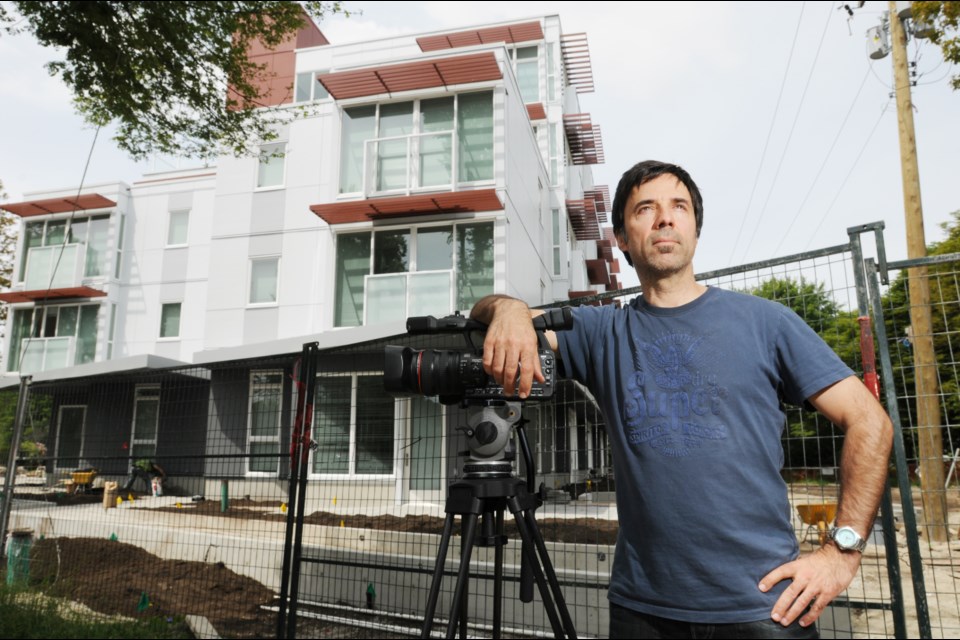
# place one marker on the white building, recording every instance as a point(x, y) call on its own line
point(430, 171)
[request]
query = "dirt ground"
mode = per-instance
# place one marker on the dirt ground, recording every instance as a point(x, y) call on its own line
point(572, 530)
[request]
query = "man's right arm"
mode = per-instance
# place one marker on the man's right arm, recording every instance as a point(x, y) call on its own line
point(510, 347)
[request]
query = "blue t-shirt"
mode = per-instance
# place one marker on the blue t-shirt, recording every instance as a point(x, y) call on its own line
point(692, 401)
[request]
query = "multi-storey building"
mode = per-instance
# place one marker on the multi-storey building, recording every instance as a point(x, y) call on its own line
point(428, 171)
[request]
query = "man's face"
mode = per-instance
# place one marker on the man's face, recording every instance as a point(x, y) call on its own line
point(659, 227)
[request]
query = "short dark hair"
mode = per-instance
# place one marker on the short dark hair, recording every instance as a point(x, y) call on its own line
point(646, 171)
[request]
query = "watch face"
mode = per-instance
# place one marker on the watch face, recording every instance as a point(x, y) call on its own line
point(846, 538)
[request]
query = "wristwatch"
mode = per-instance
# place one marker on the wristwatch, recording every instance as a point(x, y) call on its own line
point(847, 539)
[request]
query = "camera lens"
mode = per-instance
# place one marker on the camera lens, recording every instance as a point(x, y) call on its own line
point(431, 372)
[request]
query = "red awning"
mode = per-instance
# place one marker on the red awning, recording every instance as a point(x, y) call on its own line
point(576, 60)
point(51, 294)
point(425, 74)
point(597, 272)
point(58, 205)
point(422, 204)
point(586, 145)
point(523, 32)
point(536, 111)
point(583, 218)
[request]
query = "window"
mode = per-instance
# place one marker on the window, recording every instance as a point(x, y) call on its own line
point(263, 280)
point(266, 398)
point(388, 275)
point(527, 66)
point(53, 337)
point(353, 426)
point(308, 89)
point(74, 248)
point(557, 240)
point(146, 419)
point(421, 144)
point(170, 320)
point(111, 330)
point(555, 149)
point(551, 71)
point(270, 169)
point(177, 228)
point(119, 264)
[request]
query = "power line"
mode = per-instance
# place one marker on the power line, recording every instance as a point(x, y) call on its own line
point(849, 173)
point(786, 146)
point(763, 155)
point(823, 164)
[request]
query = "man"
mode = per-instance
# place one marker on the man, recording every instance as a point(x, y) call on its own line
point(146, 470)
point(690, 380)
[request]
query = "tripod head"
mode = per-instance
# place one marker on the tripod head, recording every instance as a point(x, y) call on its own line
point(488, 430)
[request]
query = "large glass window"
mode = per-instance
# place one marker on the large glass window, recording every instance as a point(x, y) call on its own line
point(75, 249)
point(270, 169)
point(353, 426)
point(52, 337)
point(263, 280)
point(404, 146)
point(266, 397)
point(389, 275)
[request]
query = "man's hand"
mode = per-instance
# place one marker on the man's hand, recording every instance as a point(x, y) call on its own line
point(510, 347)
point(817, 579)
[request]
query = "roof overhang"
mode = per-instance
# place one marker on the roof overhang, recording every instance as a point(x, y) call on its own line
point(61, 293)
point(412, 76)
point(58, 205)
point(449, 202)
point(131, 364)
point(511, 33)
point(536, 111)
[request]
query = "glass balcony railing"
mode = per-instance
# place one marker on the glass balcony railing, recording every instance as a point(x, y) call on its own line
point(44, 354)
point(402, 165)
point(65, 263)
point(389, 297)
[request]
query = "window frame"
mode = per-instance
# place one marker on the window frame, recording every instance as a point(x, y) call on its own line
point(83, 429)
point(163, 307)
point(186, 230)
point(251, 439)
point(351, 472)
point(266, 156)
point(276, 301)
point(134, 441)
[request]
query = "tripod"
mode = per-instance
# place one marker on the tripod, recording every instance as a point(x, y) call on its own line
point(488, 488)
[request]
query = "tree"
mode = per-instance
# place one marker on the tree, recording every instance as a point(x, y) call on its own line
point(944, 17)
point(173, 76)
point(811, 441)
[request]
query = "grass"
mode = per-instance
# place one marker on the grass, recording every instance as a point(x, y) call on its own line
point(30, 614)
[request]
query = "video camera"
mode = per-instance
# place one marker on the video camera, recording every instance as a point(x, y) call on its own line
point(457, 375)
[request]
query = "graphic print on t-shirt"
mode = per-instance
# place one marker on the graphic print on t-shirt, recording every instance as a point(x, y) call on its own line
point(675, 398)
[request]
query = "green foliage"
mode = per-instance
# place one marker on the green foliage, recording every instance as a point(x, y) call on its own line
point(811, 441)
point(945, 315)
point(174, 76)
point(8, 246)
point(27, 614)
point(944, 17)
point(33, 447)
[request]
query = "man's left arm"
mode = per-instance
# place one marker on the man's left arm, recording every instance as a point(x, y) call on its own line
point(819, 577)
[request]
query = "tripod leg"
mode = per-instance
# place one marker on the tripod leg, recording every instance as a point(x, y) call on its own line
point(530, 557)
point(437, 577)
point(551, 574)
point(498, 577)
point(467, 530)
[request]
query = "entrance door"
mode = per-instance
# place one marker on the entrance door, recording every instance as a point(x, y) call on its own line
point(425, 467)
point(70, 422)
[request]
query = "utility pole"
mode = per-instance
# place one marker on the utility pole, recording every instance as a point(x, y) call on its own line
point(924, 359)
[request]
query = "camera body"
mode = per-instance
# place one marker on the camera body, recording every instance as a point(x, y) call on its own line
point(457, 375)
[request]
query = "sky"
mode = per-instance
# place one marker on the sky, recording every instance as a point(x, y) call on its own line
point(776, 110)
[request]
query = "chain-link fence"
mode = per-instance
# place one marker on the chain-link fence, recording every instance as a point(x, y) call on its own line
point(364, 523)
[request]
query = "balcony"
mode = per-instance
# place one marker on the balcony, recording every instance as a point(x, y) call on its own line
point(390, 297)
point(55, 267)
point(404, 165)
point(44, 354)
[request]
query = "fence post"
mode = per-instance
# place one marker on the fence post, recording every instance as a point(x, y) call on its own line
point(11, 474)
point(900, 460)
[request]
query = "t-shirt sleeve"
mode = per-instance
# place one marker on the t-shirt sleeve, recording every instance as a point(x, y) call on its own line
point(577, 344)
point(807, 364)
